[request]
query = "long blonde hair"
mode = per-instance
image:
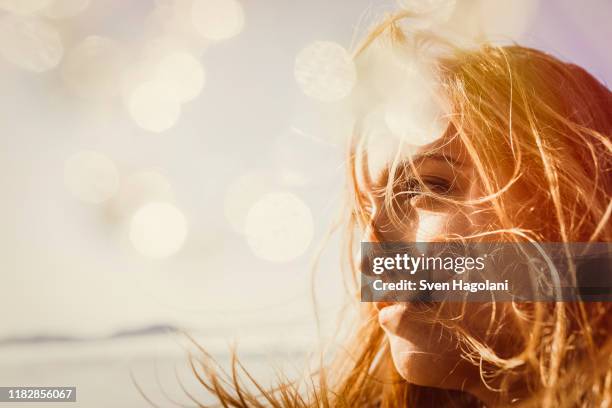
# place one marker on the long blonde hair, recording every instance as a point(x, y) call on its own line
point(544, 124)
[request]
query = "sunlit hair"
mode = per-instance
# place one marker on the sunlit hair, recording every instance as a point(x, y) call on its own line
point(529, 122)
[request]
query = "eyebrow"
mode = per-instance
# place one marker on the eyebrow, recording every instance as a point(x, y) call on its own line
point(384, 174)
point(439, 157)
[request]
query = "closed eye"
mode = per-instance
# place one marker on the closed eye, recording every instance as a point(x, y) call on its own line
point(438, 185)
point(427, 184)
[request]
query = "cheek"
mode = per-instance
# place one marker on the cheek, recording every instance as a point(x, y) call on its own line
point(423, 224)
point(429, 225)
point(434, 226)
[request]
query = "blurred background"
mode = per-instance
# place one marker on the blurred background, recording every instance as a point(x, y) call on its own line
point(177, 164)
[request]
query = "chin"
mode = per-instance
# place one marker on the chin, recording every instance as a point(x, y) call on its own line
point(429, 367)
point(415, 365)
point(425, 353)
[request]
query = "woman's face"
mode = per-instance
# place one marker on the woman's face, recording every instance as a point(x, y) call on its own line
point(426, 353)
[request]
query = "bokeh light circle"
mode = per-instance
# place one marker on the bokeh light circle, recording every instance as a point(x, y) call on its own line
point(414, 111)
point(184, 73)
point(279, 227)
point(154, 106)
point(30, 43)
point(325, 71)
point(217, 19)
point(91, 177)
point(436, 11)
point(158, 230)
point(416, 121)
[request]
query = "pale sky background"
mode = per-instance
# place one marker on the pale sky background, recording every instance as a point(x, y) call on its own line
point(69, 266)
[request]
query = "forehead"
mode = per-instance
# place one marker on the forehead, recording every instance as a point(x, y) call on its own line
point(384, 152)
point(448, 147)
point(446, 156)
